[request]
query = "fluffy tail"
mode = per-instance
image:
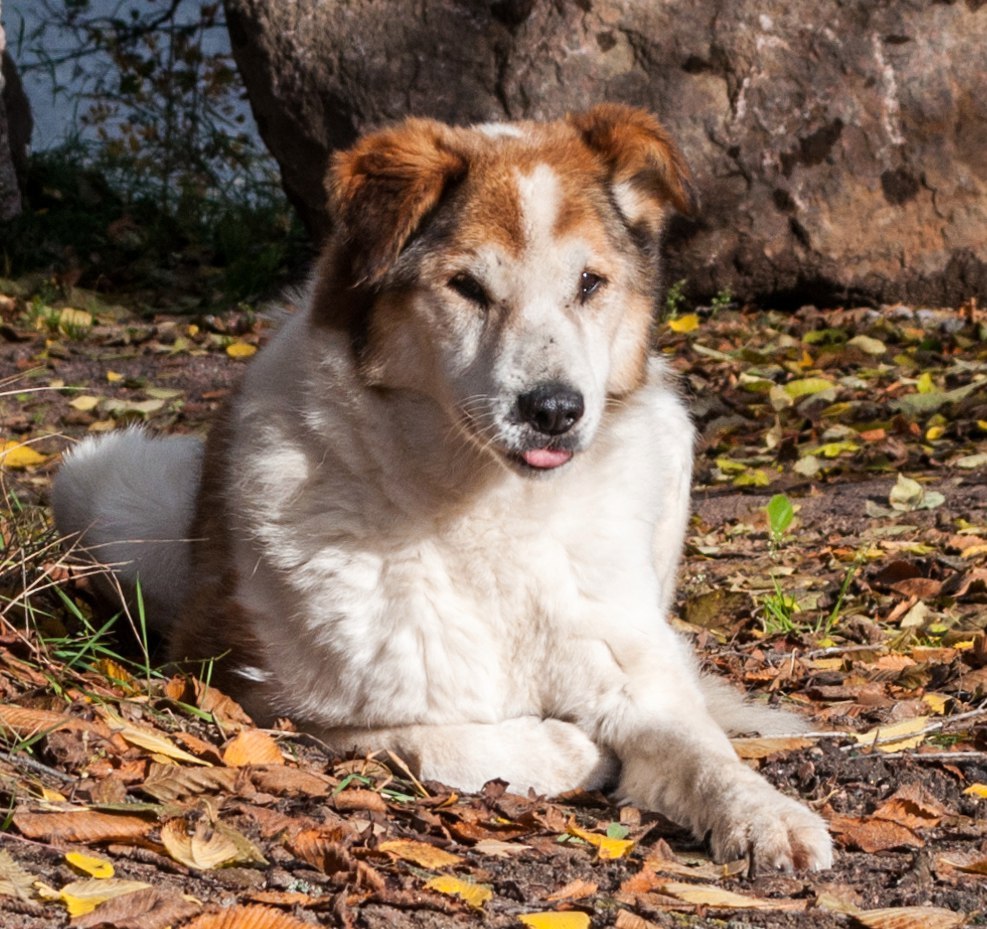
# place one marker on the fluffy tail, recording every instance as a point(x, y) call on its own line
point(738, 717)
point(129, 499)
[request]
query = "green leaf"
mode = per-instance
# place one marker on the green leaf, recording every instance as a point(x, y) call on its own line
point(780, 514)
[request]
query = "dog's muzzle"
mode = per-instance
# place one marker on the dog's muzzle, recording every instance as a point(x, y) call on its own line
point(550, 410)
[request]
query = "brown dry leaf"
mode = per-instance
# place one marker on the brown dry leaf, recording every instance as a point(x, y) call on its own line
point(210, 845)
point(151, 908)
point(25, 722)
point(498, 849)
point(151, 741)
point(250, 747)
point(284, 781)
point(248, 917)
point(574, 890)
point(628, 920)
point(321, 849)
point(754, 749)
point(14, 880)
point(710, 895)
point(169, 783)
point(420, 853)
point(972, 863)
point(359, 799)
point(913, 807)
point(873, 835)
point(909, 917)
point(85, 827)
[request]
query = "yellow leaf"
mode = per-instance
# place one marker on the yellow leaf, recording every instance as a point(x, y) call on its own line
point(114, 377)
point(240, 349)
point(925, 384)
point(421, 853)
point(52, 796)
point(205, 849)
point(687, 323)
point(764, 747)
point(19, 455)
point(568, 919)
point(84, 403)
point(909, 733)
point(81, 897)
point(605, 846)
point(977, 790)
point(87, 864)
point(805, 386)
point(474, 894)
point(935, 702)
point(934, 432)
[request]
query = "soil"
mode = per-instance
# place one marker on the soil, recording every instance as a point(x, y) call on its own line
point(880, 611)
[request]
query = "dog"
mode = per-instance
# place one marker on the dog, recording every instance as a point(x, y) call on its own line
point(443, 513)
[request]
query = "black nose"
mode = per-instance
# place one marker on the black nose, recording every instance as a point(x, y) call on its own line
point(551, 408)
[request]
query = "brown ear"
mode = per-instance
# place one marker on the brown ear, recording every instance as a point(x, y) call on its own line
point(381, 189)
point(648, 173)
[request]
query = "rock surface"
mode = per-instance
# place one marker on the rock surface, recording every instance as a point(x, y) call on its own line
point(15, 134)
point(840, 147)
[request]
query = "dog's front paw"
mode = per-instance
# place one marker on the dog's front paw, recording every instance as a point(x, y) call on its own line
point(772, 831)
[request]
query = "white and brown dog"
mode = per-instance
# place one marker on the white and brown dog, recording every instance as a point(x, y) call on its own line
point(444, 511)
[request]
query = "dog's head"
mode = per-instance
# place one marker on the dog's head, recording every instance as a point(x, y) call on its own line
point(509, 272)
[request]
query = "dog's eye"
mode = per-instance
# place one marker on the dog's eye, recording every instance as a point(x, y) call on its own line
point(589, 284)
point(469, 288)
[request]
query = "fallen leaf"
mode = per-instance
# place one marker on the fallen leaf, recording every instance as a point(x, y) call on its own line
point(913, 807)
point(717, 897)
point(209, 846)
point(873, 835)
point(151, 908)
point(574, 890)
point(87, 864)
point(568, 919)
point(82, 897)
point(240, 349)
point(908, 733)
point(14, 880)
point(755, 748)
point(84, 403)
point(606, 846)
point(976, 790)
point(252, 747)
point(84, 827)
point(498, 849)
point(359, 799)
point(421, 853)
point(807, 386)
point(149, 740)
point(971, 863)
point(688, 322)
point(474, 894)
point(247, 917)
point(909, 917)
point(168, 782)
point(19, 455)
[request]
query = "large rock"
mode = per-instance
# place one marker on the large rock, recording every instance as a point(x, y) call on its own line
point(840, 146)
point(15, 134)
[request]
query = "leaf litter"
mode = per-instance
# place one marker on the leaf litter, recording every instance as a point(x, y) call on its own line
point(836, 564)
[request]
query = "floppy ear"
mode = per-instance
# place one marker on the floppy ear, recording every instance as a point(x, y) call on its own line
point(381, 189)
point(647, 172)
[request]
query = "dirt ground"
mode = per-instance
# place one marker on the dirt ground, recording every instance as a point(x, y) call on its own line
point(864, 612)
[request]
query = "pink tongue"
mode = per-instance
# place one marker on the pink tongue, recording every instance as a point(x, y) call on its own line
point(546, 457)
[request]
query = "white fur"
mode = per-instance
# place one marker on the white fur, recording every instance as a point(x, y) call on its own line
point(129, 500)
point(413, 588)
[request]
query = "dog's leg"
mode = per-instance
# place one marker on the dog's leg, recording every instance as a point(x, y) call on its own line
point(546, 755)
point(649, 708)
